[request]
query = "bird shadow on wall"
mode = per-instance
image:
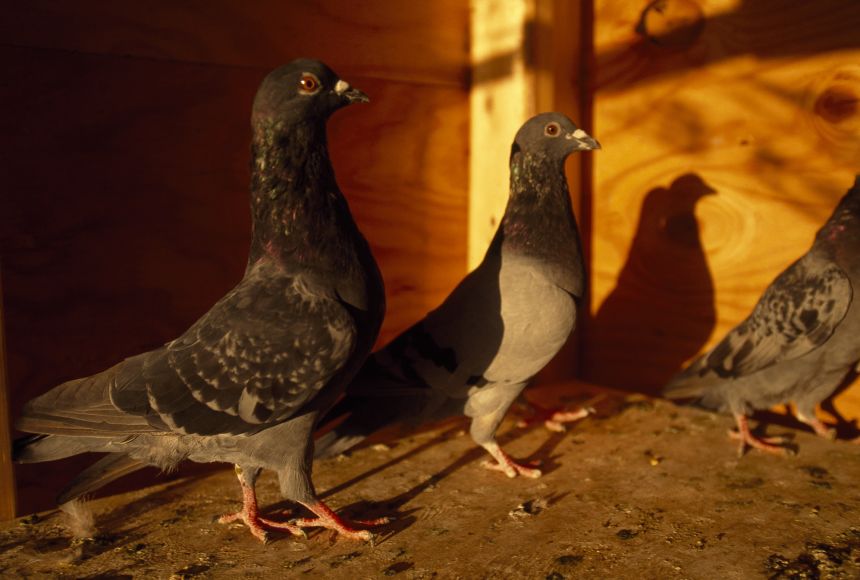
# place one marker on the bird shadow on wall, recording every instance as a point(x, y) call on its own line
point(661, 311)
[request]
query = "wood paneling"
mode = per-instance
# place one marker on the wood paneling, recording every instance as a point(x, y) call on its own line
point(730, 131)
point(409, 41)
point(7, 479)
point(124, 207)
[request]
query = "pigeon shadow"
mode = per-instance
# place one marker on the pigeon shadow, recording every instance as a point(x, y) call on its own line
point(661, 311)
point(544, 455)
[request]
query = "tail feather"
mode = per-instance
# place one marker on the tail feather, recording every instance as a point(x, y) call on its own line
point(81, 407)
point(39, 448)
point(683, 390)
point(364, 417)
point(688, 383)
point(105, 470)
point(698, 386)
point(378, 396)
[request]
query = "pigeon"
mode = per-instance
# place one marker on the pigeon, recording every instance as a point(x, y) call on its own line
point(798, 344)
point(247, 382)
point(474, 354)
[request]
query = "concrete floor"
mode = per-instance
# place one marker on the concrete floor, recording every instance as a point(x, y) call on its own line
point(642, 490)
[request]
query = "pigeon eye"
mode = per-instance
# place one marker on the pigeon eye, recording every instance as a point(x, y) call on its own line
point(309, 84)
point(552, 130)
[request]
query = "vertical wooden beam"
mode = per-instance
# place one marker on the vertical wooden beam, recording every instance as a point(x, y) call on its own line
point(526, 58)
point(7, 479)
point(501, 99)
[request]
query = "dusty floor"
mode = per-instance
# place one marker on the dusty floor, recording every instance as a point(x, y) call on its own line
point(642, 490)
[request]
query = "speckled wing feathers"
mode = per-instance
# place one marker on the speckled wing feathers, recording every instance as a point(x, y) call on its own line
point(258, 355)
point(254, 359)
point(795, 315)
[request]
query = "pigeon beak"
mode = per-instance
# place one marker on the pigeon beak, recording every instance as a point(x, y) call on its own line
point(342, 89)
point(582, 140)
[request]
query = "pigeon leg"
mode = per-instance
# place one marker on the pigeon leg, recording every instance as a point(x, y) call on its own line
point(817, 425)
point(483, 431)
point(745, 436)
point(250, 514)
point(326, 518)
point(506, 465)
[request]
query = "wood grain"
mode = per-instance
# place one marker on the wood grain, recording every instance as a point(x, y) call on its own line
point(125, 211)
point(756, 101)
point(407, 41)
point(7, 479)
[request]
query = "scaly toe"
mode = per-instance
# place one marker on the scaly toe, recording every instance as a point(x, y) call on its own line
point(531, 473)
point(570, 416)
point(496, 466)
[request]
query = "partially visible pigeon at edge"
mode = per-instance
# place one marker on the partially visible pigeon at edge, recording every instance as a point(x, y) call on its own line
point(247, 382)
point(798, 344)
point(474, 354)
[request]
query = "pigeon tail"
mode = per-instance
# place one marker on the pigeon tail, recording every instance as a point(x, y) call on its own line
point(689, 386)
point(689, 383)
point(102, 472)
point(683, 391)
point(39, 448)
point(364, 416)
point(23, 448)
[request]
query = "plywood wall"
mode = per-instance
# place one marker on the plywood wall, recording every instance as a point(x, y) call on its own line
point(730, 130)
point(7, 479)
point(124, 207)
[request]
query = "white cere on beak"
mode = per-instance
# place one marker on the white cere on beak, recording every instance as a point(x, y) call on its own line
point(341, 87)
point(578, 134)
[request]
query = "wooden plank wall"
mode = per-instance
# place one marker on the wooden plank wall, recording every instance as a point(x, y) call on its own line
point(7, 478)
point(730, 130)
point(123, 213)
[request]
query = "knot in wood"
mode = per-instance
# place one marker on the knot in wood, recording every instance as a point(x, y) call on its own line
point(672, 23)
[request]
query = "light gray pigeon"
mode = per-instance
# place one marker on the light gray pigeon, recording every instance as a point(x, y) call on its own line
point(800, 341)
point(248, 381)
point(475, 353)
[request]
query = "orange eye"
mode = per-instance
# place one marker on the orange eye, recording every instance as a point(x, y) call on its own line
point(309, 83)
point(552, 130)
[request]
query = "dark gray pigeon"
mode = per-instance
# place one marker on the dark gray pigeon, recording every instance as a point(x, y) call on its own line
point(475, 353)
point(800, 341)
point(248, 381)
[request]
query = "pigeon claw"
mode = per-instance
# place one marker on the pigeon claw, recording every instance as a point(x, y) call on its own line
point(326, 518)
point(774, 445)
point(511, 468)
point(820, 428)
point(554, 419)
point(259, 526)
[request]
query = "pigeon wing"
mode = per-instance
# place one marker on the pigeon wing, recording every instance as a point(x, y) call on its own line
point(796, 314)
point(260, 354)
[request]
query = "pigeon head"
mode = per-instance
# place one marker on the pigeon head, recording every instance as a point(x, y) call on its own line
point(845, 221)
point(304, 89)
point(552, 135)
